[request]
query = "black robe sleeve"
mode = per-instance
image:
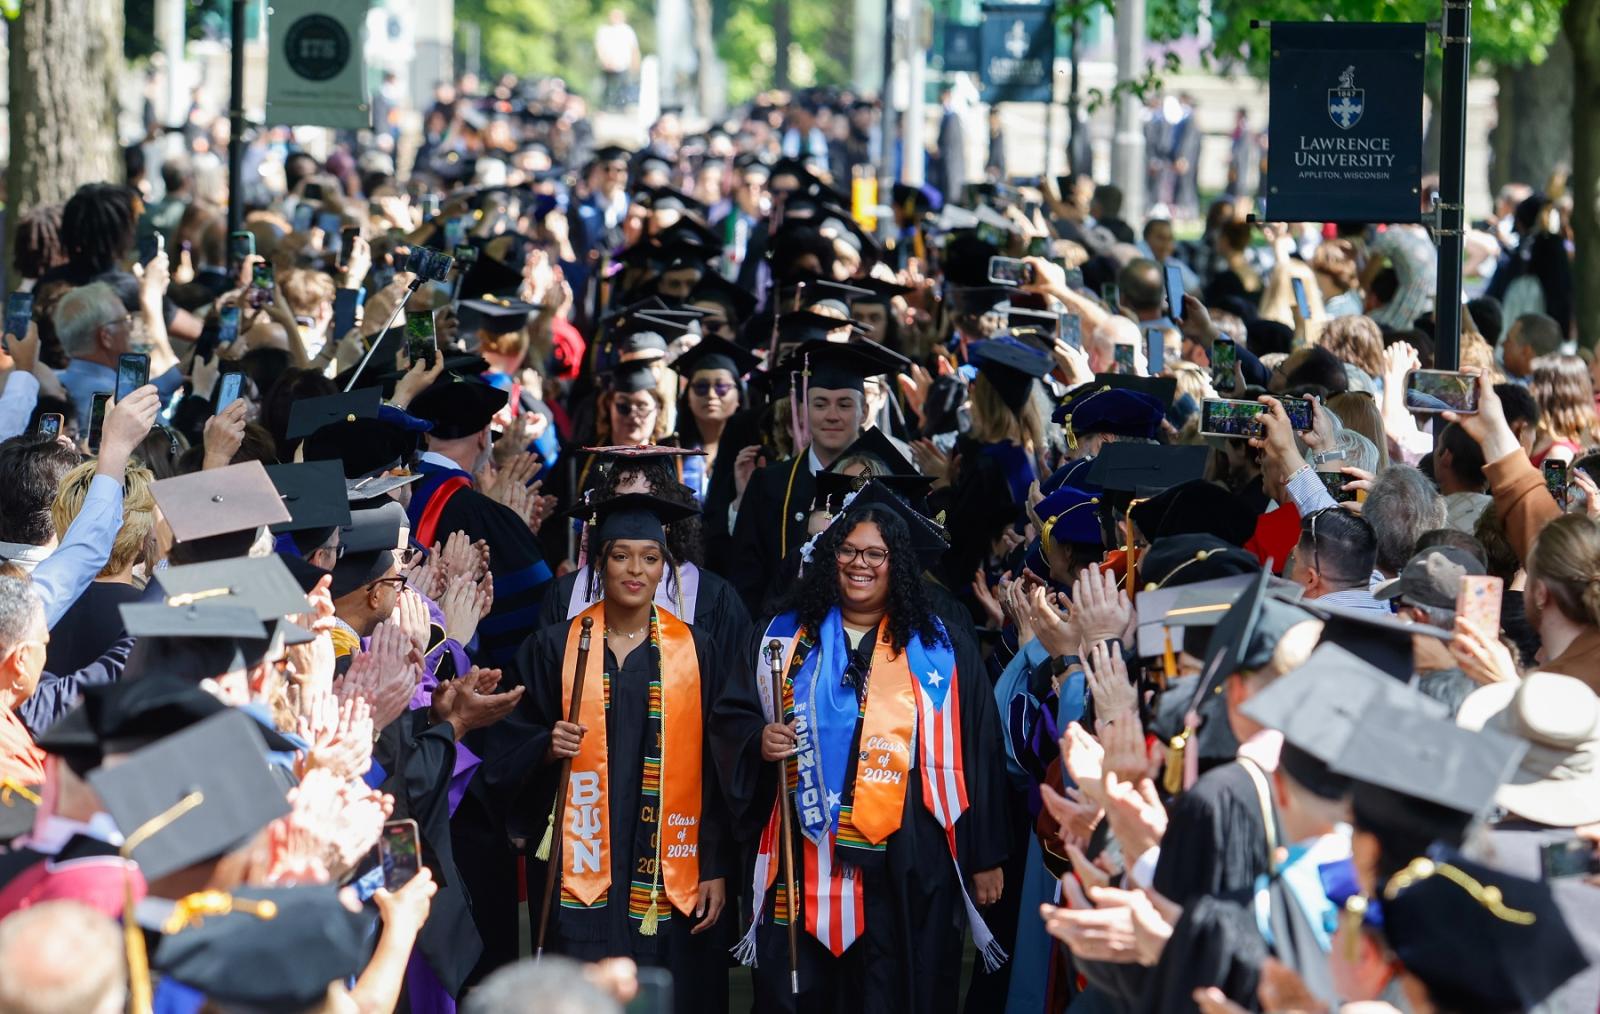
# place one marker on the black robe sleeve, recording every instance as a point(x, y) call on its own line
point(749, 784)
point(983, 836)
point(754, 544)
point(719, 612)
point(1215, 841)
point(517, 563)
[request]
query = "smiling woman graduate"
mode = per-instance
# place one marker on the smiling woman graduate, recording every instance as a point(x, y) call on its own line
point(645, 847)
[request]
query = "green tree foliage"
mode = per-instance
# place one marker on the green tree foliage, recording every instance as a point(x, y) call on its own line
point(537, 38)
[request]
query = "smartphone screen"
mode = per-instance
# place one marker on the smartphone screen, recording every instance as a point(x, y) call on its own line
point(1155, 347)
point(1334, 482)
point(420, 343)
point(1224, 361)
point(417, 261)
point(455, 232)
point(466, 253)
point(50, 424)
point(1111, 296)
point(261, 282)
point(1433, 391)
point(1123, 357)
point(1299, 412)
point(97, 419)
point(1072, 330)
point(133, 372)
point(346, 303)
point(311, 191)
point(1560, 859)
point(1236, 420)
point(303, 216)
point(1174, 292)
point(347, 242)
point(19, 312)
point(241, 244)
point(1555, 480)
point(229, 387)
point(400, 850)
point(1300, 301)
point(227, 325)
point(1478, 599)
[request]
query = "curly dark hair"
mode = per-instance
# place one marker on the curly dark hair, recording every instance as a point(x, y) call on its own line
point(597, 567)
point(910, 611)
point(37, 247)
point(685, 538)
point(97, 226)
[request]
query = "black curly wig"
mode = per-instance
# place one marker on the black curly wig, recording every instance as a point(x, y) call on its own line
point(910, 611)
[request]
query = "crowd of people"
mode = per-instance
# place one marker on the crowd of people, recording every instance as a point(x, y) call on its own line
point(633, 557)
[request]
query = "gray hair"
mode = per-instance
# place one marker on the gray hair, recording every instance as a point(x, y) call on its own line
point(81, 314)
point(552, 986)
point(1402, 505)
point(61, 956)
point(20, 610)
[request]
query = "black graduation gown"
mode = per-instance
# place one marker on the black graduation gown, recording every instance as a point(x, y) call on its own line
point(771, 523)
point(979, 507)
point(718, 611)
point(743, 430)
point(419, 760)
point(699, 963)
point(1216, 840)
point(908, 956)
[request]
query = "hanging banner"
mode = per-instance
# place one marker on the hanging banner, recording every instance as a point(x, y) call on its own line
point(1345, 134)
point(961, 48)
point(1018, 51)
point(316, 71)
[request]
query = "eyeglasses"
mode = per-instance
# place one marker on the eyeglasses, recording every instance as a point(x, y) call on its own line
point(872, 556)
point(1310, 526)
point(705, 387)
point(399, 581)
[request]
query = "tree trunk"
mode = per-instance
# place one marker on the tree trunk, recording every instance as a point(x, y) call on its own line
point(1534, 119)
point(781, 37)
point(1581, 22)
point(709, 90)
point(65, 56)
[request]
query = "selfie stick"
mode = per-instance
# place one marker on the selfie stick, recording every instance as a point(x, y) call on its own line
point(411, 290)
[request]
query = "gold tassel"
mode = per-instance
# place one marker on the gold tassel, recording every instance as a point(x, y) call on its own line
point(1169, 663)
point(1172, 778)
point(140, 993)
point(652, 915)
point(1350, 920)
point(542, 853)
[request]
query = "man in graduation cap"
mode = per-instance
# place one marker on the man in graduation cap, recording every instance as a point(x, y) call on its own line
point(828, 403)
point(446, 501)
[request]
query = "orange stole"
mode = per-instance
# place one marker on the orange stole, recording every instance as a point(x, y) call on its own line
point(586, 839)
point(884, 768)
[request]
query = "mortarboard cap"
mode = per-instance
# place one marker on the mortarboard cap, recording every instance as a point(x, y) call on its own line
point(1318, 706)
point(1162, 389)
point(1074, 473)
point(313, 492)
point(261, 584)
point(308, 415)
point(276, 948)
point(633, 376)
point(1146, 469)
point(494, 316)
point(1107, 409)
point(1012, 367)
point(713, 353)
point(368, 488)
point(1190, 559)
point(668, 199)
point(458, 406)
point(976, 300)
point(611, 153)
point(1197, 506)
point(198, 619)
point(192, 796)
point(1478, 939)
point(1381, 639)
point(1421, 774)
point(219, 501)
point(877, 449)
point(811, 326)
point(370, 542)
point(1070, 515)
point(876, 290)
point(306, 574)
point(631, 516)
point(712, 287)
point(367, 446)
point(928, 539)
point(1183, 610)
point(1248, 633)
point(833, 488)
point(838, 366)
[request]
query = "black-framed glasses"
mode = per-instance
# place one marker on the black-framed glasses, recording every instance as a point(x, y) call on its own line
point(703, 388)
point(399, 581)
point(872, 556)
point(1309, 528)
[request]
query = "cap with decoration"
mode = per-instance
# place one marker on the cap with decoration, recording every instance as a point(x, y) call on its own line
point(307, 415)
point(631, 516)
point(494, 316)
point(1143, 470)
point(219, 501)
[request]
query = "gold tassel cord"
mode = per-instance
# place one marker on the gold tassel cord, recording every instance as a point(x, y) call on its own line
point(1487, 895)
point(11, 787)
point(542, 853)
point(140, 994)
point(194, 909)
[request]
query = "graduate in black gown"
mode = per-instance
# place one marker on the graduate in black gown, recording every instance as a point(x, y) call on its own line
point(828, 383)
point(647, 848)
point(898, 845)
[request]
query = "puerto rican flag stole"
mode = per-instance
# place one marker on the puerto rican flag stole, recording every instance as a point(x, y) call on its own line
point(912, 712)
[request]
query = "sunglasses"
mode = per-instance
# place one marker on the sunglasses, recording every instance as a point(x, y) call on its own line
point(704, 387)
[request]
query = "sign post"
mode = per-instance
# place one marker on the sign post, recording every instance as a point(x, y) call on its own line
point(1451, 208)
point(1343, 138)
point(316, 73)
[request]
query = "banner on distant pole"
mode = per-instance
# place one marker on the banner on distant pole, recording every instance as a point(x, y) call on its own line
point(1345, 130)
point(962, 45)
point(1018, 52)
point(316, 70)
